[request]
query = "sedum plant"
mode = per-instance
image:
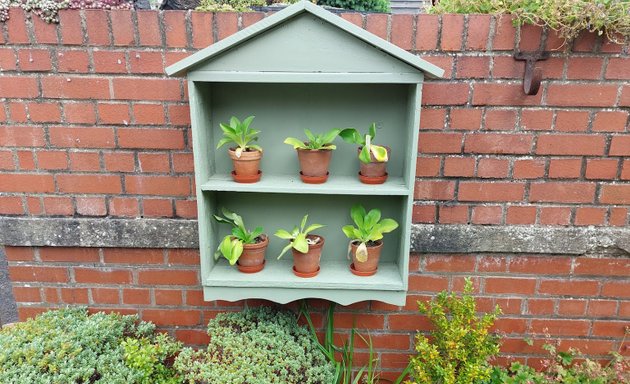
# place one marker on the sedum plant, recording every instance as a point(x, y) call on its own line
point(232, 245)
point(297, 237)
point(241, 134)
point(315, 142)
point(256, 346)
point(369, 229)
point(353, 136)
point(460, 345)
point(152, 358)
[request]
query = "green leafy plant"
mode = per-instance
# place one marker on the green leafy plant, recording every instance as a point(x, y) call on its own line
point(315, 142)
point(353, 136)
point(229, 5)
point(369, 229)
point(256, 346)
point(297, 237)
point(232, 245)
point(241, 134)
point(358, 5)
point(152, 357)
point(568, 17)
point(460, 345)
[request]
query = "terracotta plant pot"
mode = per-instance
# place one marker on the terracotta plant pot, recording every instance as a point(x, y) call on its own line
point(314, 165)
point(246, 167)
point(374, 172)
point(368, 267)
point(307, 264)
point(252, 259)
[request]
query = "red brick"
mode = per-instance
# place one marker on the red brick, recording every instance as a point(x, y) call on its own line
point(105, 296)
point(16, 27)
point(492, 264)
point(113, 113)
point(466, 119)
point(6, 160)
point(32, 60)
point(192, 336)
point(10, 205)
point(618, 217)
point(500, 119)
point(71, 255)
point(520, 215)
point(226, 25)
point(72, 61)
point(434, 190)
point(26, 162)
point(123, 32)
point(492, 168)
point(555, 215)
point(175, 29)
point(18, 112)
point(168, 297)
point(124, 207)
point(402, 30)
point(602, 168)
point(84, 161)
point(535, 119)
point(158, 185)
point(440, 142)
point(136, 296)
point(570, 145)
point(565, 168)
point(569, 287)
point(109, 61)
point(615, 194)
point(8, 60)
point(186, 209)
point(27, 295)
point(510, 285)
point(70, 26)
point(502, 94)
point(354, 18)
point(609, 46)
point(424, 213)
point(587, 68)
point(58, 206)
point(427, 32)
point(19, 86)
point(572, 121)
point(478, 30)
point(489, 192)
point(202, 29)
point(154, 162)
point(25, 182)
point(69, 87)
point(560, 327)
point(38, 274)
point(359, 320)
point(133, 256)
point(97, 27)
point(445, 93)
point(473, 67)
point(98, 184)
point(149, 27)
point(625, 170)
point(610, 328)
point(487, 214)
point(610, 121)
point(34, 206)
point(617, 68)
point(150, 138)
point(146, 62)
point(146, 89)
point(581, 95)
point(452, 32)
point(119, 162)
point(419, 283)
point(74, 295)
point(167, 317)
point(377, 24)
point(540, 265)
point(179, 115)
point(529, 169)
point(91, 206)
point(620, 146)
point(616, 289)
point(530, 37)
point(450, 263)
point(183, 256)
point(602, 267)
point(427, 166)
point(102, 276)
point(149, 114)
point(562, 192)
point(495, 143)
point(572, 307)
point(505, 67)
point(44, 112)
point(540, 306)
point(45, 33)
point(167, 277)
point(459, 166)
point(602, 308)
point(79, 113)
point(25, 313)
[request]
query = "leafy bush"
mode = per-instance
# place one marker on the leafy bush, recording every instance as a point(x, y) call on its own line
point(153, 358)
point(568, 17)
point(237, 5)
point(460, 344)
point(69, 346)
point(48, 9)
point(358, 5)
point(256, 346)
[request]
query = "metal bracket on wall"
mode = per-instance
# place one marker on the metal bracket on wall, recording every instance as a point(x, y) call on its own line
point(533, 75)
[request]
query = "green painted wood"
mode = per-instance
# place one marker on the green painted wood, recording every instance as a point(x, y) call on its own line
point(299, 77)
point(279, 21)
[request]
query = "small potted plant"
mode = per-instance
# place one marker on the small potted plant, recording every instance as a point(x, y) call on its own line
point(244, 248)
point(366, 239)
point(245, 156)
point(373, 158)
point(314, 155)
point(307, 249)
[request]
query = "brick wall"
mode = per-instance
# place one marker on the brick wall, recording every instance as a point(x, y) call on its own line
point(91, 127)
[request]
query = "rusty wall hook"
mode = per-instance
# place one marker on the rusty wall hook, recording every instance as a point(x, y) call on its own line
point(533, 75)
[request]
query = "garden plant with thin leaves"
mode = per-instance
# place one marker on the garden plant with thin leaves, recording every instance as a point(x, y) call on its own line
point(241, 134)
point(353, 136)
point(232, 245)
point(315, 142)
point(369, 229)
point(297, 237)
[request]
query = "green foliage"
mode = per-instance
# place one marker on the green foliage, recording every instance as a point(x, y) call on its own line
point(69, 346)
point(353, 136)
point(460, 344)
point(151, 357)
point(358, 5)
point(568, 17)
point(48, 9)
point(232, 245)
point(239, 133)
point(369, 228)
point(315, 142)
point(297, 237)
point(256, 346)
point(229, 5)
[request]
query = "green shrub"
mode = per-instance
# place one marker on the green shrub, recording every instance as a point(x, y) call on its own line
point(460, 344)
point(568, 17)
point(69, 346)
point(358, 5)
point(153, 358)
point(237, 5)
point(256, 346)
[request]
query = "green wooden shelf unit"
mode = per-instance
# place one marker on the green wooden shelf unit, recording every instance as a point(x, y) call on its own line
point(304, 67)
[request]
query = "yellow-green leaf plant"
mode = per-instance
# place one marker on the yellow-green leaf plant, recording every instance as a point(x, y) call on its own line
point(369, 229)
point(241, 134)
point(315, 142)
point(353, 136)
point(297, 237)
point(232, 245)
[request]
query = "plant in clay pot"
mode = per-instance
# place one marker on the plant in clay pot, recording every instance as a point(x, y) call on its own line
point(244, 248)
point(314, 155)
point(307, 249)
point(366, 239)
point(373, 158)
point(245, 156)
